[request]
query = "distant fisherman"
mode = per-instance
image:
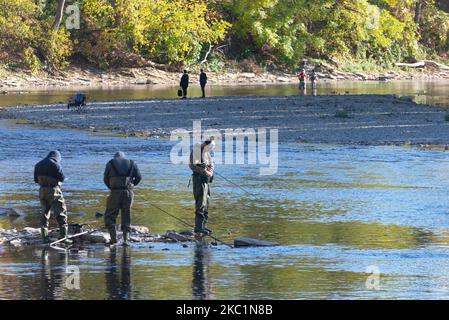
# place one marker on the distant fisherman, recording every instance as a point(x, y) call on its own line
point(120, 176)
point(313, 78)
point(203, 82)
point(202, 167)
point(184, 84)
point(49, 175)
point(302, 79)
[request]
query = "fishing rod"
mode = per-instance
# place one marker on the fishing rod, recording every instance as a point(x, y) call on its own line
point(233, 183)
point(189, 225)
point(73, 236)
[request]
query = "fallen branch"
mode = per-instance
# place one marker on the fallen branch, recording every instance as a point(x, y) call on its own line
point(207, 54)
point(423, 64)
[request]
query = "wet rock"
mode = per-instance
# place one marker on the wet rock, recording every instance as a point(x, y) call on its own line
point(136, 239)
point(188, 233)
point(249, 242)
point(139, 230)
point(177, 237)
point(96, 237)
point(15, 242)
point(10, 212)
point(32, 231)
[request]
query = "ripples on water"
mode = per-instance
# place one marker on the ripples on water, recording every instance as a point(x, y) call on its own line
point(335, 210)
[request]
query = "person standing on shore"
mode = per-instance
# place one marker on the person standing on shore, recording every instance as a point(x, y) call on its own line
point(120, 176)
point(203, 82)
point(302, 76)
point(184, 84)
point(202, 167)
point(49, 175)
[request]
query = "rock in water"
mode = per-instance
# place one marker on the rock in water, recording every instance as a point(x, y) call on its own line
point(139, 230)
point(249, 242)
point(173, 235)
point(96, 237)
point(32, 231)
point(10, 212)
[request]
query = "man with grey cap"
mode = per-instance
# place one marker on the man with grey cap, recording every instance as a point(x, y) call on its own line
point(49, 175)
point(120, 176)
point(202, 166)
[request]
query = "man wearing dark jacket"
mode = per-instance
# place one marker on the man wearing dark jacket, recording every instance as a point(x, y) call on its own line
point(203, 81)
point(202, 166)
point(49, 175)
point(120, 176)
point(184, 84)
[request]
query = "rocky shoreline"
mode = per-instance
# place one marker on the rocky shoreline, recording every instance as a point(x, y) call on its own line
point(338, 119)
point(81, 77)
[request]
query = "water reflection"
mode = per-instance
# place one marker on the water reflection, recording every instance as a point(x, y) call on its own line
point(334, 209)
point(201, 285)
point(53, 274)
point(432, 92)
point(118, 276)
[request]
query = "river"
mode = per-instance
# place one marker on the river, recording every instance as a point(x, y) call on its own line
point(343, 215)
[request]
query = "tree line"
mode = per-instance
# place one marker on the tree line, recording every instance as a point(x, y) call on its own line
point(37, 35)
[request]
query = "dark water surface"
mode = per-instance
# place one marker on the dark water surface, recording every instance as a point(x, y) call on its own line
point(337, 211)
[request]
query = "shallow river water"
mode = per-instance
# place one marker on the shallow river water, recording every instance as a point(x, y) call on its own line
point(340, 213)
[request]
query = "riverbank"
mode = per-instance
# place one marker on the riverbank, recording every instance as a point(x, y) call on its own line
point(338, 119)
point(85, 77)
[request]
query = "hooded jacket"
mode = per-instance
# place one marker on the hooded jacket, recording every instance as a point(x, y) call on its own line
point(50, 166)
point(119, 172)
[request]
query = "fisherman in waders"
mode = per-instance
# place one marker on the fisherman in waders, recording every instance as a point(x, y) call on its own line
point(49, 175)
point(203, 82)
point(302, 79)
point(120, 176)
point(313, 79)
point(202, 168)
point(184, 84)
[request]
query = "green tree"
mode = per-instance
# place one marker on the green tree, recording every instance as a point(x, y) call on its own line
point(165, 31)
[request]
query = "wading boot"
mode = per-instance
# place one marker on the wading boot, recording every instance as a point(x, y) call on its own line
point(64, 233)
point(45, 238)
point(125, 238)
point(113, 234)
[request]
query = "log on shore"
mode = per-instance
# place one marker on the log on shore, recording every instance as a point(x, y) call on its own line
point(423, 64)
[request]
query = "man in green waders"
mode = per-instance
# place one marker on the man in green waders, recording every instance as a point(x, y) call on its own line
point(120, 176)
point(49, 175)
point(202, 167)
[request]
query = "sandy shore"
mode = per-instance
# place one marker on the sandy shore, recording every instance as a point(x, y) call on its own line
point(364, 119)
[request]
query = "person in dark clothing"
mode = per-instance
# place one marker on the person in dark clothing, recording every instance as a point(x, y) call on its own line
point(49, 175)
point(203, 82)
point(120, 176)
point(202, 166)
point(79, 100)
point(184, 84)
